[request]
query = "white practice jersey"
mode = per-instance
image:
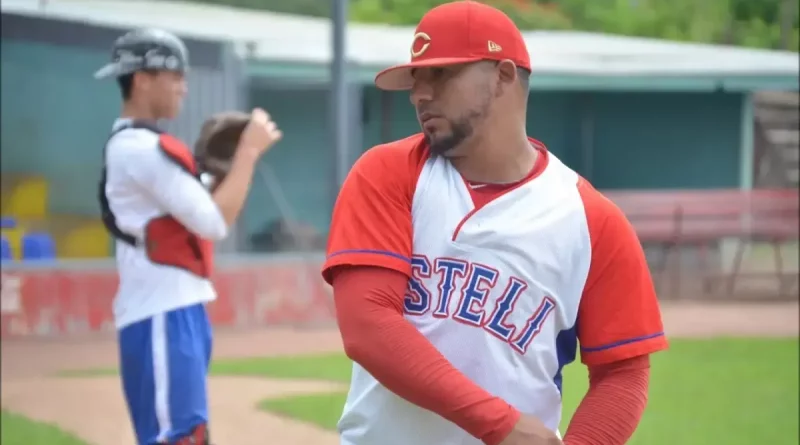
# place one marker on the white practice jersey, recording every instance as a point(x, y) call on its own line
point(497, 289)
point(141, 184)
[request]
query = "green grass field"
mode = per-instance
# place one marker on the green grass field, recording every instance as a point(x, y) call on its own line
point(17, 430)
point(703, 392)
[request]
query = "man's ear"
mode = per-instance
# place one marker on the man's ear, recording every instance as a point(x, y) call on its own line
point(508, 71)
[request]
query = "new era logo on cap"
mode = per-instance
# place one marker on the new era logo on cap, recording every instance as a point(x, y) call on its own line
point(455, 33)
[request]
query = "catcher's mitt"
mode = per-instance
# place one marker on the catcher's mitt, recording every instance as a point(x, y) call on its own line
point(217, 143)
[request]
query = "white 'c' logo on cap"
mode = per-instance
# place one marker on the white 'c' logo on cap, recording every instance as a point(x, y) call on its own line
point(426, 43)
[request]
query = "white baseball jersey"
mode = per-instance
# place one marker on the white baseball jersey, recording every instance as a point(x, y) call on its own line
point(504, 290)
point(141, 184)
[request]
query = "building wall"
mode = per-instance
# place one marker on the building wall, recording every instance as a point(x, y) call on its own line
point(631, 140)
point(660, 140)
point(296, 173)
point(56, 116)
point(296, 179)
point(55, 120)
point(621, 140)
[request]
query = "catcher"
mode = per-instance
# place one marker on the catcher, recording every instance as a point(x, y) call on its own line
point(165, 220)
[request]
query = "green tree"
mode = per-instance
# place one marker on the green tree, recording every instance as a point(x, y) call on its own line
point(408, 12)
point(765, 23)
point(754, 23)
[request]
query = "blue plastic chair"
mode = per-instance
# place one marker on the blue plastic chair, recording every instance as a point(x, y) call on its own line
point(7, 222)
point(38, 246)
point(5, 250)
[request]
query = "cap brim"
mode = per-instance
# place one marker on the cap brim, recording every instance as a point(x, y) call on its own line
point(112, 69)
point(399, 78)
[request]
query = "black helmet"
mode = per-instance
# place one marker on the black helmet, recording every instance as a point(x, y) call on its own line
point(146, 49)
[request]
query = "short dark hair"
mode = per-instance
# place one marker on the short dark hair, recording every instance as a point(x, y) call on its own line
point(524, 78)
point(125, 83)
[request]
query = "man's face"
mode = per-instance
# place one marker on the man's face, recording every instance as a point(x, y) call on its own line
point(165, 91)
point(451, 102)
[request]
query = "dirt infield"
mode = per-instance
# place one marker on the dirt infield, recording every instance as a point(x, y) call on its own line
point(92, 408)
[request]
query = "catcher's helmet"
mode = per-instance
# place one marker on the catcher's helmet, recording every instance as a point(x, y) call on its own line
point(146, 49)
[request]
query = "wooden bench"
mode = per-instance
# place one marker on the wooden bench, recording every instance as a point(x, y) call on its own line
point(703, 218)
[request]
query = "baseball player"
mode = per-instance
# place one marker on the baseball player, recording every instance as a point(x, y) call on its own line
point(467, 263)
point(164, 221)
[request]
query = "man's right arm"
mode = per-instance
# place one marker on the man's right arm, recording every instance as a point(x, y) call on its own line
point(179, 193)
point(368, 264)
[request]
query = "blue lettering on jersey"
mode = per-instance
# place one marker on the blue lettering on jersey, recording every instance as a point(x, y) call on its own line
point(474, 295)
point(450, 269)
point(465, 295)
point(418, 299)
point(497, 325)
point(534, 325)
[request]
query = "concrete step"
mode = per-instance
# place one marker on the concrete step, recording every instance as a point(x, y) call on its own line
point(778, 118)
point(789, 153)
point(780, 99)
point(783, 137)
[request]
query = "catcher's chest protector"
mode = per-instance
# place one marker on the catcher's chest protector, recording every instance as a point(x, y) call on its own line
point(167, 241)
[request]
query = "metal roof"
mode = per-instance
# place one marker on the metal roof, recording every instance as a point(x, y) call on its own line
point(272, 36)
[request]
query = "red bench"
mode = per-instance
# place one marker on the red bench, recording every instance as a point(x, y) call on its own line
point(702, 218)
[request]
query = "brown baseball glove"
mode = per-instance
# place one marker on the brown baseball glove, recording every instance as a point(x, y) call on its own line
point(219, 137)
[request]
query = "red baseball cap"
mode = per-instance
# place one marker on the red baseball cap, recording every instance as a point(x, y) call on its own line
point(455, 33)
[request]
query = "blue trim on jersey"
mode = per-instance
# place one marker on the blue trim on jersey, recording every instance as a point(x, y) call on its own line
point(566, 349)
point(622, 342)
point(371, 251)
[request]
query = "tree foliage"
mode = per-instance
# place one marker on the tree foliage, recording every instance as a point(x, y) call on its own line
point(755, 23)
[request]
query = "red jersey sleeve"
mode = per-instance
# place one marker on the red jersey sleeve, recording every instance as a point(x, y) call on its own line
point(371, 221)
point(619, 315)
